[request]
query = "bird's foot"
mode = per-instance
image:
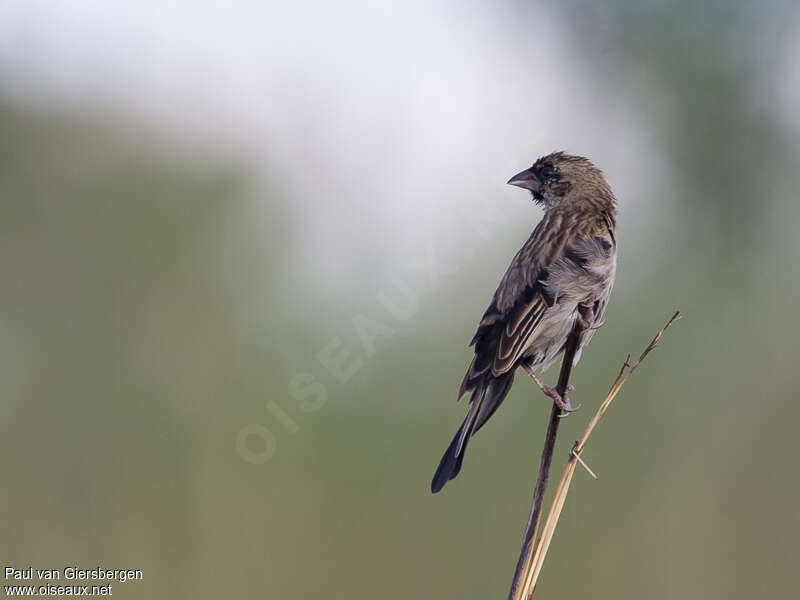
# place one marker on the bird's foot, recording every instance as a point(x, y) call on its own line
point(562, 402)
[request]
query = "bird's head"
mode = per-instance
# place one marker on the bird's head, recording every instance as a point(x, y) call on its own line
point(559, 178)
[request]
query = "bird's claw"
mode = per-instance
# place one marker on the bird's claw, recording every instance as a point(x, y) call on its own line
point(562, 403)
point(569, 409)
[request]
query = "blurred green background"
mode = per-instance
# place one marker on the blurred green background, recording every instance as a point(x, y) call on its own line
point(189, 241)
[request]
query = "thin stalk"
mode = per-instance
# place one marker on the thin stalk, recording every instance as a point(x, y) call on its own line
point(532, 568)
point(528, 545)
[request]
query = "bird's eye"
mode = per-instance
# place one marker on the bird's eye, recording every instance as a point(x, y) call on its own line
point(549, 172)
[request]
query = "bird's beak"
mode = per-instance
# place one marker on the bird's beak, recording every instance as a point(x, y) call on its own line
point(526, 179)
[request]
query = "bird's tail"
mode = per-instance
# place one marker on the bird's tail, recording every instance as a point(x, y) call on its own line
point(487, 395)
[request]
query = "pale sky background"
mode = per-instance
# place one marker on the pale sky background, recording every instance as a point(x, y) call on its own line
point(382, 129)
point(383, 124)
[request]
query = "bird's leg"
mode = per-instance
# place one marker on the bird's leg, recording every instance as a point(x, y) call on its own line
point(561, 402)
point(586, 319)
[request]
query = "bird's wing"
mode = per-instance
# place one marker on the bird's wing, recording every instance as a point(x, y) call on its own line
point(522, 298)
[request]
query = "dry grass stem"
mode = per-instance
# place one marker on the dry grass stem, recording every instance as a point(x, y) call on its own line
point(534, 566)
point(584, 465)
point(534, 518)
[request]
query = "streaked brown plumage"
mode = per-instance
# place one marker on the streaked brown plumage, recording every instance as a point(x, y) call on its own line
point(566, 267)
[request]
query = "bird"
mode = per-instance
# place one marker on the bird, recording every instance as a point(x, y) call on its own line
point(560, 279)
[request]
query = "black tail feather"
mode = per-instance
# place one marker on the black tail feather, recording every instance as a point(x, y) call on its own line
point(488, 394)
point(450, 464)
point(496, 392)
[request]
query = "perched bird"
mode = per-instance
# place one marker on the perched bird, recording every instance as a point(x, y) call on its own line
point(561, 276)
